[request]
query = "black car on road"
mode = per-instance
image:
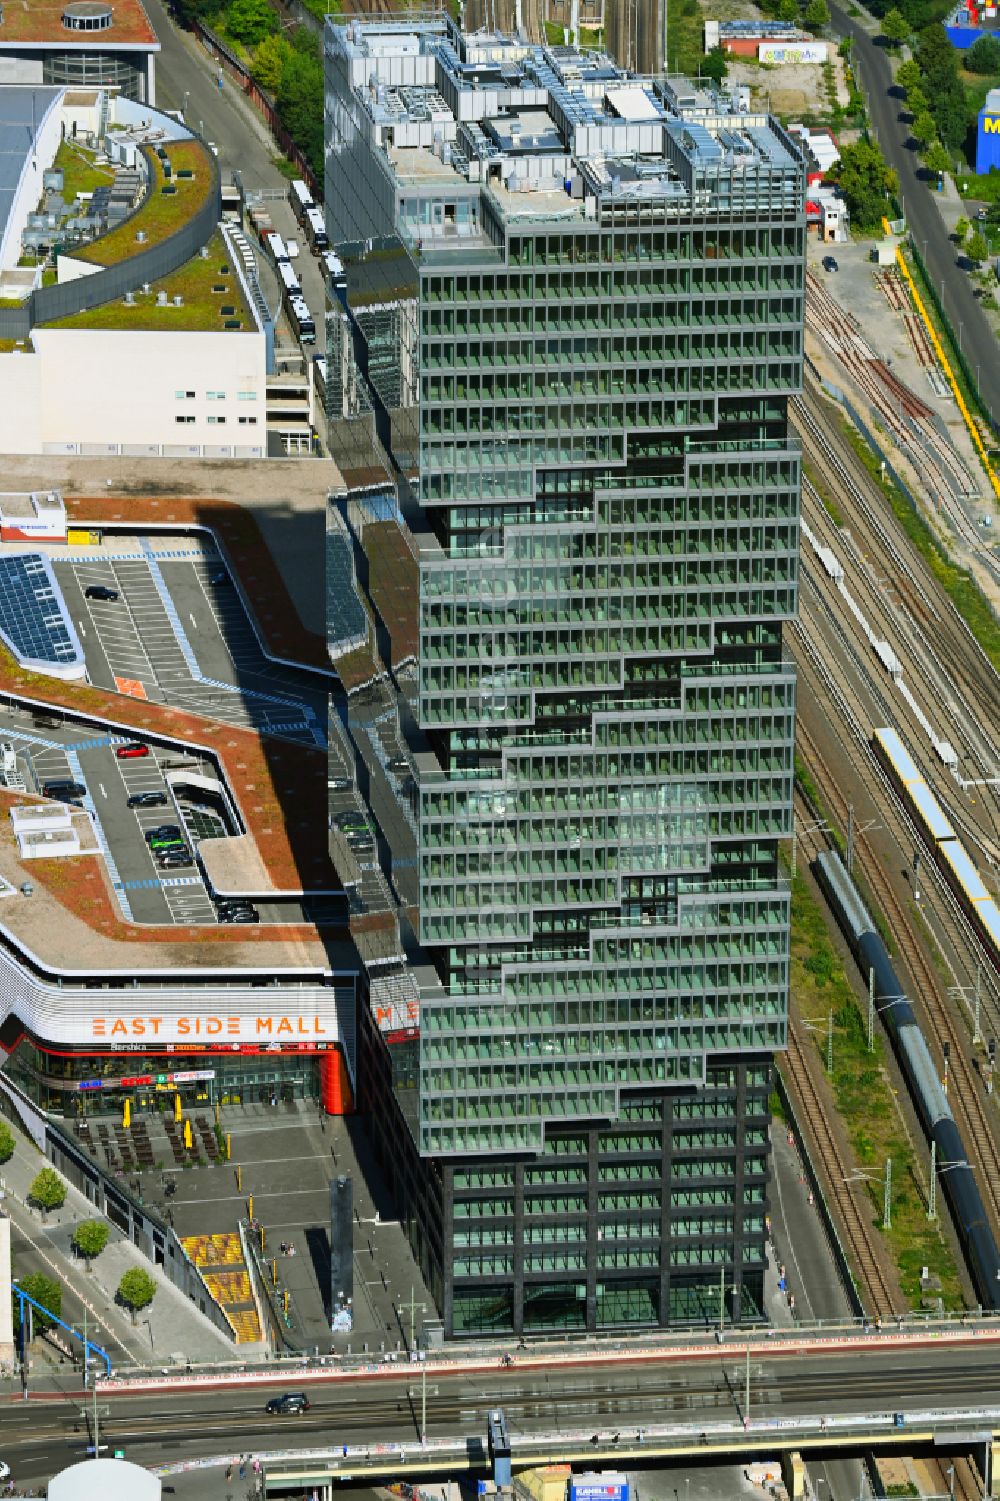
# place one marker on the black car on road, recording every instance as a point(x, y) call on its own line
point(100, 591)
point(148, 800)
point(288, 1402)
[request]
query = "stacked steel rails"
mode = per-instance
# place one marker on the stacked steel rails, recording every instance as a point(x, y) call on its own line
point(908, 419)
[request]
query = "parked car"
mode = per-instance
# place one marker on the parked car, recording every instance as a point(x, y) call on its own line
point(292, 246)
point(361, 843)
point(148, 800)
point(220, 577)
point(100, 591)
point(175, 859)
point(65, 791)
point(398, 763)
point(288, 1402)
point(164, 842)
point(131, 748)
point(239, 914)
point(829, 264)
point(162, 831)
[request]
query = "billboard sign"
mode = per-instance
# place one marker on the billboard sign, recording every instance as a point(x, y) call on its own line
point(792, 52)
point(599, 1488)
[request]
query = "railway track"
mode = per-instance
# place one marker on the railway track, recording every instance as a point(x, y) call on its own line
point(965, 1088)
point(879, 1295)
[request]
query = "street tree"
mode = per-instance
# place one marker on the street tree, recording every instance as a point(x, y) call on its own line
point(7, 1142)
point(977, 249)
point(895, 27)
point(268, 61)
point(908, 75)
point(865, 180)
point(936, 158)
point(47, 1292)
point(962, 227)
point(817, 15)
point(923, 128)
point(136, 1290)
point(250, 21)
point(788, 10)
point(916, 101)
point(48, 1190)
point(89, 1239)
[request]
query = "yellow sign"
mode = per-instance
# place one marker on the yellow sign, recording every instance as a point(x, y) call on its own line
point(991, 127)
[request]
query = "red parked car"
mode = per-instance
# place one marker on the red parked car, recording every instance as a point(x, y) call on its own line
point(131, 748)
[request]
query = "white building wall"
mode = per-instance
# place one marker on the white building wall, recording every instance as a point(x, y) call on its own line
point(20, 69)
point(113, 390)
point(20, 403)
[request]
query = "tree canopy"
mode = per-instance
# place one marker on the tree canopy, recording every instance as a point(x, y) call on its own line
point(895, 27)
point(90, 1237)
point(7, 1142)
point(136, 1289)
point(44, 1290)
point(48, 1190)
point(984, 55)
point(977, 249)
point(250, 21)
point(864, 179)
point(940, 81)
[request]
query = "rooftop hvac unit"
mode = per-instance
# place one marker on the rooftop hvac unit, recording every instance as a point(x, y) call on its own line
point(161, 299)
point(140, 236)
point(146, 288)
point(178, 299)
point(203, 252)
point(130, 299)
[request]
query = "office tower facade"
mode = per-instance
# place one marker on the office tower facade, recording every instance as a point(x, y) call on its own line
point(607, 302)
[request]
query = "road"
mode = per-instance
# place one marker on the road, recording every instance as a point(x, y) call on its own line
point(925, 223)
point(40, 1437)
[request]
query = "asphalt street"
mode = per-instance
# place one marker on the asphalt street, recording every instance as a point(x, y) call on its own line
point(925, 223)
point(38, 1439)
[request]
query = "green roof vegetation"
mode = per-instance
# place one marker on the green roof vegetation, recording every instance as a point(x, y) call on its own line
point(200, 312)
point(160, 213)
point(78, 170)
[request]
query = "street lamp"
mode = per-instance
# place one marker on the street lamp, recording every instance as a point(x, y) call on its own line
point(187, 96)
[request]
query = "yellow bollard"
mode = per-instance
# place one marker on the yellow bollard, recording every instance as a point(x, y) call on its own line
point(250, 1208)
point(284, 1300)
point(229, 1146)
point(274, 1272)
point(188, 1137)
point(217, 1112)
point(239, 1177)
point(262, 1240)
point(177, 1108)
point(127, 1114)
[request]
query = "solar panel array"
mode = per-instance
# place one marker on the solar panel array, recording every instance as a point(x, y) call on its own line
point(32, 617)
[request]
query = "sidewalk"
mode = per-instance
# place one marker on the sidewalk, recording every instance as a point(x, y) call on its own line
point(172, 1328)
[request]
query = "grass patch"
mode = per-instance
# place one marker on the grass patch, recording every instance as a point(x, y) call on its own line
point(684, 37)
point(959, 585)
point(822, 489)
point(200, 310)
point(865, 1102)
point(985, 187)
point(285, 167)
point(80, 175)
point(159, 214)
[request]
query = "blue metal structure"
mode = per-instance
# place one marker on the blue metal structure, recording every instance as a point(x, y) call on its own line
point(89, 1348)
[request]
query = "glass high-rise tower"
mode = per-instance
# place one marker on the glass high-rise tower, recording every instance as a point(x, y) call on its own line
point(591, 285)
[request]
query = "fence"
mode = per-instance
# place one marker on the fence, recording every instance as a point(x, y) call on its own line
point(955, 353)
point(152, 264)
point(262, 102)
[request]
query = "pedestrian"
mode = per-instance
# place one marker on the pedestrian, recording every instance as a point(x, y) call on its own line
point(256, 1466)
point(229, 1472)
point(243, 1467)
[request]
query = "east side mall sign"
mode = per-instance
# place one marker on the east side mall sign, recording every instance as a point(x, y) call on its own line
point(273, 1027)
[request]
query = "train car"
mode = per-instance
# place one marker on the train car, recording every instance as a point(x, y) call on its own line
point(300, 199)
point(289, 281)
point(315, 228)
point(958, 1183)
point(949, 853)
point(302, 320)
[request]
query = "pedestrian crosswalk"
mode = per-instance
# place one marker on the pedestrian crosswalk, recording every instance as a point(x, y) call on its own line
point(147, 883)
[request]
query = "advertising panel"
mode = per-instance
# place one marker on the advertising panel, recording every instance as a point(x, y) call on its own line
point(605, 1487)
point(792, 52)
